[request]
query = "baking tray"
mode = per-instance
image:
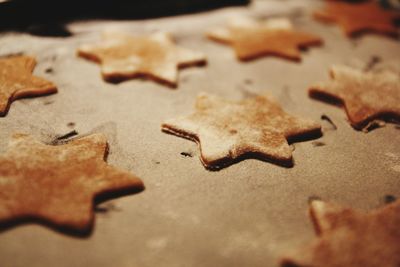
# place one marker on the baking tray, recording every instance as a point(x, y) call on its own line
point(248, 214)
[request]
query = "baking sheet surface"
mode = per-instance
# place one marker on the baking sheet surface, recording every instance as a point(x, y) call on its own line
point(248, 214)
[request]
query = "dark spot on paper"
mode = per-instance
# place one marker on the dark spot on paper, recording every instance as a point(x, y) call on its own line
point(71, 124)
point(248, 81)
point(317, 144)
point(327, 119)
point(354, 42)
point(49, 70)
point(48, 102)
point(372, 62)
point(312, 198)
point(187, 154)
point(389, 199)
point(106, 207)
point(185, 79)
point(67, 135)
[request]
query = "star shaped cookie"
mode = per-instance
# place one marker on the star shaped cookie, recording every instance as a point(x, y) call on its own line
point(155, 56)
point(365, 95)
point(351, 238)
point(227, 131)
point(359, 18)
point(17, 81)
point(252, 39)
point(57, 184)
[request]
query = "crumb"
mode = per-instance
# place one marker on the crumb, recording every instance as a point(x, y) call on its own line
point(326, 118)
point(67, 135)
point(49, 102)
point(49, 70)
point(248, 81)
point(187, 154)
point(389, 199)
point(372, 62)
point(106, 207)
point(317, 144)
point(71, 124)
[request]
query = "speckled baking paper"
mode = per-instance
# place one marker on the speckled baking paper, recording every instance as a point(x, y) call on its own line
point(248, 214)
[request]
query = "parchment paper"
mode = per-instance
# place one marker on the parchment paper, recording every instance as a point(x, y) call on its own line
point(248, 214)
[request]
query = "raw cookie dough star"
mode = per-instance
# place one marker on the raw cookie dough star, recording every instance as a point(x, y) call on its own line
point(17, 81)
point(156, 56)
point(251, 39)
point(57, 184)
point(365, 95)
point(360, 17)
point(227, 130)
point(351, 238)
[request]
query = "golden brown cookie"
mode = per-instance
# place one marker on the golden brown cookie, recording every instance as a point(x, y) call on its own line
point(228, 130)
point(251, 39)
point(365, 95)
point(351, 238)
point(17, 81)
point(57, 184)
point(360, 17)
point(124, 57)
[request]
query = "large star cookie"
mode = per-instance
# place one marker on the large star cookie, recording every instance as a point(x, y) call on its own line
point(17, 81)
point(57, 184)
point(351, 238)
point(251, 39)
point(358, 18)
point(365, 95)
point(124, 57)
point(227, 130)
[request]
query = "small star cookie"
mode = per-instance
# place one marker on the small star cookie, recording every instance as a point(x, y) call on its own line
point(227, 130)
point(365, 95)
point(360, 17)
point(251, 39)
point(351, 238)
point(17, 81)
point(124, 57)
point(57, 184)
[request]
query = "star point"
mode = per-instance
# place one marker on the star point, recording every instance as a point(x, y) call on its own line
point(17, 81)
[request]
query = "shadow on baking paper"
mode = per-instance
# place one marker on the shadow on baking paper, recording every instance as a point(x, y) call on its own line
point(228, 161)
point(48, 18)
point(64, 229)
point(375, 121)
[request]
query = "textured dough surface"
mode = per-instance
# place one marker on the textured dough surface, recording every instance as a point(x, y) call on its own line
point(57, 183)
point(251, 39)
point(123, 56)
point(226, 130)
point(357, 18)
point(351, 238)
